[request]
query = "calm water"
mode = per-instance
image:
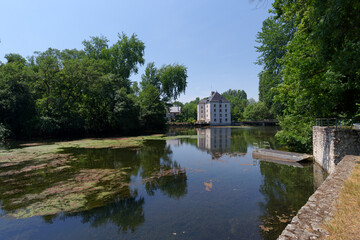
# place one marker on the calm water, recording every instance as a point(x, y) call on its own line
point(206, 186)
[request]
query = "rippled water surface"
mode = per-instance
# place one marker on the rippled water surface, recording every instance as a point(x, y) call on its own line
point(203, 185)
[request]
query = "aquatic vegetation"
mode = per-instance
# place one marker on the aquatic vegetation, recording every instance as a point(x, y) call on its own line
point(42, 179)
point(74, 194)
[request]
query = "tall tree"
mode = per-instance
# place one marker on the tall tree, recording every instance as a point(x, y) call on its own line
point(319, 70)
point(160, 86)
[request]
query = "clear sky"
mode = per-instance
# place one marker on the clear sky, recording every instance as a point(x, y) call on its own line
point(215, 39)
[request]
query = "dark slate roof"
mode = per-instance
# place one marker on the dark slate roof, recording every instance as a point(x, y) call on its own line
point(203, 101)
point(216, 97)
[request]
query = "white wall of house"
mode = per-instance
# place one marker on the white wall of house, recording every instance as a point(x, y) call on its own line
point(201, 114)
point(219, 113)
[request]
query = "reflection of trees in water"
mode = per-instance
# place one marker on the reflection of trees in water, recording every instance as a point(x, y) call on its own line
point(173, 185)
point(127, 214)
point(160, 172)
point(285, 190)
point(153, 162)
point(241, 138)
point(103, 158)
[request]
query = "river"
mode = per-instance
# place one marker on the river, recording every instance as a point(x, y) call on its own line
point(203, 185)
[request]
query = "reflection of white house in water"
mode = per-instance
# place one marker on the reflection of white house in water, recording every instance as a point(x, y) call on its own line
point(173, 142)
point(216, 141)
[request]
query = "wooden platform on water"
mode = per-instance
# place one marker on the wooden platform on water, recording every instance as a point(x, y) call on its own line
point(281, 157)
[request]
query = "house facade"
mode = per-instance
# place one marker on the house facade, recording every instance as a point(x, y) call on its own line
point(214, 110)
point(173, 112)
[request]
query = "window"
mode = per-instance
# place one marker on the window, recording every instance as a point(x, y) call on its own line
point(202, 111)
point(220, 115)
point(214, 110)
point(214, 105)
point(225, 115)
point(214, 119)
point(220, 119)
point(201, 106)
point(219, 110)
point(215, 115)
point(219, 105)
point(225, 119)
point(225, 109)
point(225, 105)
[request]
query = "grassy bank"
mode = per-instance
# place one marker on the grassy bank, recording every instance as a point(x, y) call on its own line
point(346, 221)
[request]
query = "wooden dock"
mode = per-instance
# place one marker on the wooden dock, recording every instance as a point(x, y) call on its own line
point(281, 157)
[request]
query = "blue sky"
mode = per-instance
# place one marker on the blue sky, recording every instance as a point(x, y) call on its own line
point(215, 39)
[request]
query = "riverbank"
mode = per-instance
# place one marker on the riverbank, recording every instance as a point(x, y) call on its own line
point(328, 211)
point(345, 223)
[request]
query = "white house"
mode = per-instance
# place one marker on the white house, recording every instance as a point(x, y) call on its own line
point(214, 110)
point(173, 112)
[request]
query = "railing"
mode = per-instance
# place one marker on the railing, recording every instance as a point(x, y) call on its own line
point(334, 122)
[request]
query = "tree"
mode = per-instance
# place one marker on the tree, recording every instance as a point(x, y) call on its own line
point(17, 105)
point(188, 111)
point(159, 86)
point(152, 108)
point(75, 92)
point(319, 69)
point(276, 32)
point(257, 111)
point(169, 80)
point(238, 101)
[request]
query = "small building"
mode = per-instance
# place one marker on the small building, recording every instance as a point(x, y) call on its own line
point(173, 112)
point(214, 110)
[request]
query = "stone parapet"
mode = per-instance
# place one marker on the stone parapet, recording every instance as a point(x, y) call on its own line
point(331, 144)
point(309, 221)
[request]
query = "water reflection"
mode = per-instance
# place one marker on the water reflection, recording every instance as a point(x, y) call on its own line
point(162, 188)
point(127, 214)
point(219, 141)
point(286, 189)
point(215, 141)
point(81, 179)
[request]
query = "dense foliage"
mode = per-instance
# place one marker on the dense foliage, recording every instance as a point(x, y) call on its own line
point(238, 101)
point(310, 52)
point(88, 91)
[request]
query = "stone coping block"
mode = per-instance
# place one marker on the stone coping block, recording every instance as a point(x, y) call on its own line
point(320, 207)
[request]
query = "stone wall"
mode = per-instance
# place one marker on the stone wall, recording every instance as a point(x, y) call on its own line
point(309, 221)
point(331, 144)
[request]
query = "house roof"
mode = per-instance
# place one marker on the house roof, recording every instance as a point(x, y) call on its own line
point(215, 97)
point(175, 109)
point(203, 100)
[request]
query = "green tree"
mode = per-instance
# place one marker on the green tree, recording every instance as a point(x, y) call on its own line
point(238, 101)
point(159, 86)
point(17, 105)
point(276, 32)
point(257, 111)
point(188, 111)
point(319, 70)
